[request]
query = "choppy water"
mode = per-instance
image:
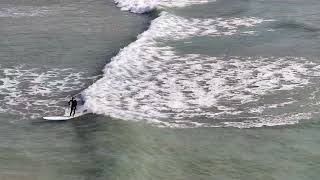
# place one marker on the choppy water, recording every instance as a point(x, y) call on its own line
point(206, 65)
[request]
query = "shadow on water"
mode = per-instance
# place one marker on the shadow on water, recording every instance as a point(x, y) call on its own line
point(94, 147)
point(86, 155)
point(87, 131)
point(80, 148)
point(103, 148)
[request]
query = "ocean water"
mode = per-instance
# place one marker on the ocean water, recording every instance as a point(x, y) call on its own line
point(172, 89)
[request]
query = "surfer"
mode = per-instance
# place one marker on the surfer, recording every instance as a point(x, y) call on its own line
point(73, 103)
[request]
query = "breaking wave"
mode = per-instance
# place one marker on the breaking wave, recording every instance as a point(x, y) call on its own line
point(151, 82)
point(144, 6)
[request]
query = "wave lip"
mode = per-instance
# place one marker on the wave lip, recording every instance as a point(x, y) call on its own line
point(144, 6)
point(137, 6)
point(171, 27)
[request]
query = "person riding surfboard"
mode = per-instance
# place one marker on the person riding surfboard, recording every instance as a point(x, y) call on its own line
point(73, 106)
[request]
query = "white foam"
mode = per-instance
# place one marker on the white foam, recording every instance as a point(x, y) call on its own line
point(24, 11)
point(169, 26)
point(143, 6)
point(148, 82)
point(136, 6)
point(285, 119)
point(33, 92)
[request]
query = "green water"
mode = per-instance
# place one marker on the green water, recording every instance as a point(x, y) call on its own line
point(96, 147)
point(77, 34)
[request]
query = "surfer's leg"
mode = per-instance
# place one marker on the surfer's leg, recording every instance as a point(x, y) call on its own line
point(74, 111)
point(70, 111)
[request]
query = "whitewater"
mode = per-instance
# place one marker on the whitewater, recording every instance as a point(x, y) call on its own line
point(149, 81)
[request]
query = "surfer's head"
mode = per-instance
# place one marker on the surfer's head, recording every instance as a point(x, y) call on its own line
point(72, 98)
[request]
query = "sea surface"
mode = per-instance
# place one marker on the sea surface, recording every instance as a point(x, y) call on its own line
point(168, 89)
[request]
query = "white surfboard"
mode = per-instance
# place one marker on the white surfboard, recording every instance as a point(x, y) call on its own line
point(66, 116)
point(58, 118)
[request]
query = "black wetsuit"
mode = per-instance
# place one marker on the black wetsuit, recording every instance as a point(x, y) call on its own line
point(73, 106)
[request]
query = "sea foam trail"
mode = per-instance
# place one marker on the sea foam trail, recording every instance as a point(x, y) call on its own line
point(33, 92)
point(144, 6)
point(147, 81)
point(25, 11)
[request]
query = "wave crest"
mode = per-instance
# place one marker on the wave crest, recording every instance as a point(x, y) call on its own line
point(144, 6)
point(149, 82)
